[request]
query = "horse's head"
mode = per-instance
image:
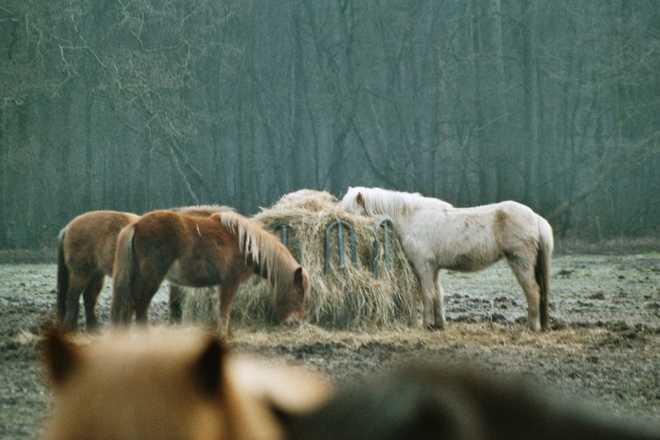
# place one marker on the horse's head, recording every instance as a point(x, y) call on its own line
point(137, 385)
point(290, 296)
point(354, 201)
point(169, 383)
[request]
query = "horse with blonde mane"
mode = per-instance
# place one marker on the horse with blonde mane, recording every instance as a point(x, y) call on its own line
point(169, 384)
point(85, 256)
point(435, 235)
point(222, 250)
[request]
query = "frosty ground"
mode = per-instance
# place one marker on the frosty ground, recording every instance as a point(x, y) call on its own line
point(604, 347)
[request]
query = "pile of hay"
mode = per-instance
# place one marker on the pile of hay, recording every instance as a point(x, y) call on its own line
point(349, 300)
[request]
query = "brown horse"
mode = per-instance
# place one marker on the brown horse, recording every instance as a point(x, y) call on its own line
point(222, 250)
point(169, 384)
point(85, 256)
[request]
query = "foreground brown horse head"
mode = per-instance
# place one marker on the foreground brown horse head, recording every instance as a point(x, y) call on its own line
point(169, 384)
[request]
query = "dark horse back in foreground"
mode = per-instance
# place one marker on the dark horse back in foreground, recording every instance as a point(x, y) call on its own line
point(433, 402)
point(222, 250)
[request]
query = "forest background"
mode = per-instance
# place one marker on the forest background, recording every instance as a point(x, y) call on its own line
point(135, 105)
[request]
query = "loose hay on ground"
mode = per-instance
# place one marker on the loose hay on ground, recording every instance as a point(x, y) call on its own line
point(348, 299)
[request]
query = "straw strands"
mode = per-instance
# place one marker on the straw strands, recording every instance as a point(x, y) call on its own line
point(348, 299)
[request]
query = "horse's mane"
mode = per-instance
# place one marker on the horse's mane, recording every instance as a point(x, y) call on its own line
point(262, 248)
point(383, 201)
point(186, 209)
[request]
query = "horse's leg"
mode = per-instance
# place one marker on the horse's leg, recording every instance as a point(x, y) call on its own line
point(90, 298)
point(439, 303)
point(76, 286)
point(426, 276)
point(176, 298)
point(524, 273)
point(226, 294)
point(144, 290)
point(145, 287)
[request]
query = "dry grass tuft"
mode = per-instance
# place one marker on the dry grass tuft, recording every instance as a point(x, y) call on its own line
point(348, 299)
point(483, 336)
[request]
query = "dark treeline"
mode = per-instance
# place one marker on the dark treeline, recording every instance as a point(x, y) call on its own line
point(145, 104)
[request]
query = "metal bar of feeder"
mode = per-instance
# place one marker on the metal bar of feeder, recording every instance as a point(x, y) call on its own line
point(340, 244)
point(385, 222)
point(284, 226)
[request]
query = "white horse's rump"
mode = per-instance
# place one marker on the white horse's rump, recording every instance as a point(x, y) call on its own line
point(435, 235)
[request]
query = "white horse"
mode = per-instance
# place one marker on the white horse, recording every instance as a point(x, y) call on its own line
point(435, 235)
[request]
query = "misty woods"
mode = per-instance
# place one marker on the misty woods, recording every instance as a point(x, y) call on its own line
point(134, 106)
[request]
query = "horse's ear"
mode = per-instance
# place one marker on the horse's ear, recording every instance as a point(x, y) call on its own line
point(207, 369)
point(61, 357)
point(360, 199)
point(299, 279)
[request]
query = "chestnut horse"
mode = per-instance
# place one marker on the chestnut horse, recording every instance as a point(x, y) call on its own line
point(169, 384)
point(85, 256)
point(222, 250)
point(434, 235)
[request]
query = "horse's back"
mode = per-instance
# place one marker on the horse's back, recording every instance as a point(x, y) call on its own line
point(426, 401)
point(468, 239)
point(158, 235)
point(90, 238)
point(193, 250)
point(203, 210)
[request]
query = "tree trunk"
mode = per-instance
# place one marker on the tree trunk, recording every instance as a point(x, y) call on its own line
point(530, 87)
point(499, 118)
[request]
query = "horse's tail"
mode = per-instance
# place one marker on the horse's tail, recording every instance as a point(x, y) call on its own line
point(123, 277)
point(62, 277)
point(542, 269)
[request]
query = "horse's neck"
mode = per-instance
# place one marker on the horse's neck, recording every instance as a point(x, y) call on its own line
point(411, 216)
point(274, 261)
point(403, 224)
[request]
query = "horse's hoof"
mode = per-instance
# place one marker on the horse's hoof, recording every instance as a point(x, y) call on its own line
point(292, 321)
point(435, 327)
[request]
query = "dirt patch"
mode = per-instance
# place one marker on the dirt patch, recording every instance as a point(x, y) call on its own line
point(604, 347)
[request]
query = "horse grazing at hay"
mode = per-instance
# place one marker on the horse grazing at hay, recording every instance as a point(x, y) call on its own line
point(169, 384)
point(85, 256)
point(434, 235)
point(437, 402)
point(222, 250)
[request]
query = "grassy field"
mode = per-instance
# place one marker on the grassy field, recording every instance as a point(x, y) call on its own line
point(603, 349)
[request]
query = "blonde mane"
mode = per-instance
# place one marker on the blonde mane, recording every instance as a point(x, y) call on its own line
point(388, 202)
point(262, 248)
point(202, 208)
